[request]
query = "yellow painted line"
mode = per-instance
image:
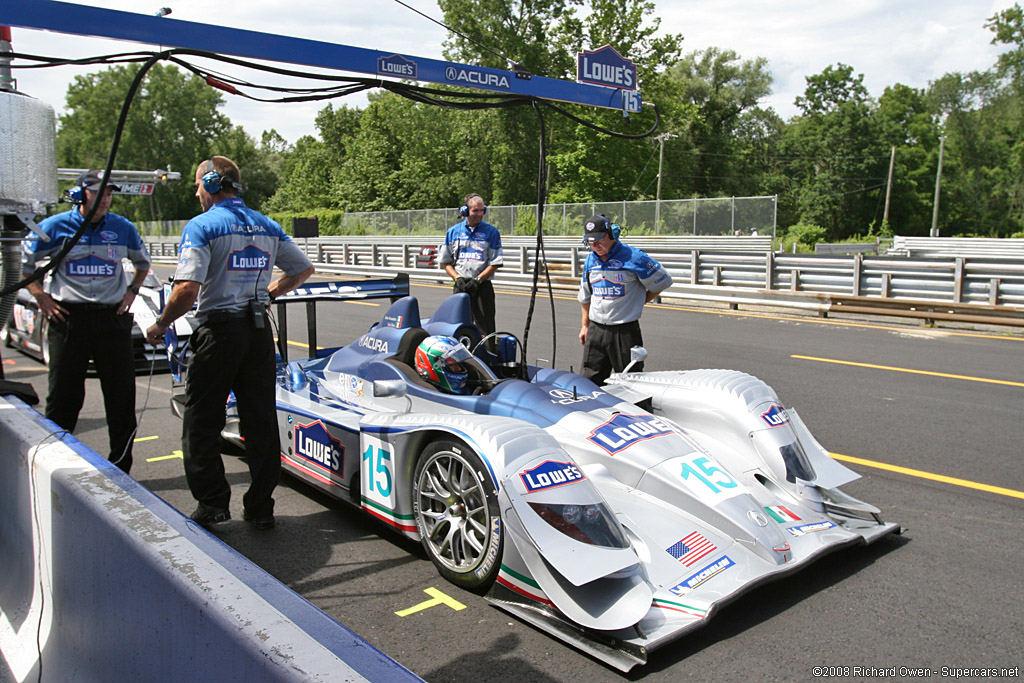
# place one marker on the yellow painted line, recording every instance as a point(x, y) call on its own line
point(921, 474)
point(914, 372)
point(437, 598)
point(176, 455)
point(145, 438)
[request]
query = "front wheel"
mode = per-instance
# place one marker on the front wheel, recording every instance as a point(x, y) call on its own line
point(456, 510)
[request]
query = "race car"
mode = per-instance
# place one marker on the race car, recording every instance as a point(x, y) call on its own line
point(617, 517)
point(27, 331)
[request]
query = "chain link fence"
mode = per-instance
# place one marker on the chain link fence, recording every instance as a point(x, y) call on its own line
point(666, 217)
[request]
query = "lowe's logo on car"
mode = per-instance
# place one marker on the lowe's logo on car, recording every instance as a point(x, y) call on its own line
point(250, 258)
point(622, 431)
point(606, 67)
point(550, 474)
point(805, 529)
point(705, 574)
point(775, 416)
point(396, 65)
point(477, 78)
point(313, 442)
point(91, 266)
point(374, 344)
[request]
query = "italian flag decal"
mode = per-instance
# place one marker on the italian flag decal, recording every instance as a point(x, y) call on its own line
point(781, 514)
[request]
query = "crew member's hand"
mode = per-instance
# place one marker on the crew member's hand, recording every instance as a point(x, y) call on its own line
point(49, 308)
point(126, 302)
point(155, 333)
point(583, 334)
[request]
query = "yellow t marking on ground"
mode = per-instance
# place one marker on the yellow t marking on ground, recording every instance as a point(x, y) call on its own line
point(145, 438)
point(915, 372)
point(928, 475)
point(172, 456)
point(437, 598)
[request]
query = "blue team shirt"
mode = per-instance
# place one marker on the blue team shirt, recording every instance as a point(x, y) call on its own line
point(471, 251)
point(231, 250)
point(617, 287)
point(93, 271)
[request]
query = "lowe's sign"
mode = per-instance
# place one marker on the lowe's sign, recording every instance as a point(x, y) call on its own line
point(606, 67)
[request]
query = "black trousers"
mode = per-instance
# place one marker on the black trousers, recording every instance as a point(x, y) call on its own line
point(481, 303)
point(231, 355)
point(607, 349)
point(89, 331)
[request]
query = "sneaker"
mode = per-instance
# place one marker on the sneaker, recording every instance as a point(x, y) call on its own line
point(261, 522)
point(207, 515)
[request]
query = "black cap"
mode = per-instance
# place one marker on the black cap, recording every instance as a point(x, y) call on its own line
point(596, 227)
point(90, 180)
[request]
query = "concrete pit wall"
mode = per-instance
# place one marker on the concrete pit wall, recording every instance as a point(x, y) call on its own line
point(100, 580)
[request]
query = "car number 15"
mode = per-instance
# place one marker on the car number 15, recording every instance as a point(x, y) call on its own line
point(377, 477)
point(706, 479)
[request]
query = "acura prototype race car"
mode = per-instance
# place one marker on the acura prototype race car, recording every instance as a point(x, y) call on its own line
point(615, 527)
point(27, 330)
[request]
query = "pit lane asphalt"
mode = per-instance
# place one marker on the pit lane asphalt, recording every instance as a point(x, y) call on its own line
point(946, 593)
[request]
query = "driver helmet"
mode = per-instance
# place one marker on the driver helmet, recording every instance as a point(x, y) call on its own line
point(440, 361)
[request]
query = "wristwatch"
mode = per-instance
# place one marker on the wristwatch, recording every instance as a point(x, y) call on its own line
point(133, 289)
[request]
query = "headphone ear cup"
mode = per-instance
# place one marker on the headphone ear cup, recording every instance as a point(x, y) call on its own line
point(211, 182)
point(75, 195)
point(464, 210)
point(616, 231)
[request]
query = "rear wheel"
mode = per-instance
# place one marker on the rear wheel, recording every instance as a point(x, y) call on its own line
point(456, 510)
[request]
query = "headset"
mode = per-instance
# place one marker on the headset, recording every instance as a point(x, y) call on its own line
point(464, 209)
point(214, 182)
point(75, 195)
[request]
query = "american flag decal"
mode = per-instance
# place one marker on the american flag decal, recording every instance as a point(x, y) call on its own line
point(691, 549)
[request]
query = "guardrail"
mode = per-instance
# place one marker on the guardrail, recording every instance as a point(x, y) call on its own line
point(929, 247)
point(736, 276)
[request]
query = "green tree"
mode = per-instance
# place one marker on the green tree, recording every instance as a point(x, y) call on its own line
point(172, 124)
point(839, 158)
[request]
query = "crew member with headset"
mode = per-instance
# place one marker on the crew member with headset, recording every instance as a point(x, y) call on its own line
point(471, 254)
point(226, 257)
point(84, 304)
point(618, 280)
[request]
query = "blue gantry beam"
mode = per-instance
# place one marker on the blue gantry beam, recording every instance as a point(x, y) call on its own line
point(63, 17)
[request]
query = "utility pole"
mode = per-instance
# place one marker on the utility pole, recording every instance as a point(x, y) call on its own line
point(888, 185)
point(938, 182)
point(657, 197)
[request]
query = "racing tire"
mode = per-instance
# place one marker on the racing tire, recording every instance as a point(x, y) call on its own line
point(457, 515)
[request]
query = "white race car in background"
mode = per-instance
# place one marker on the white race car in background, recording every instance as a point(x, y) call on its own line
point(613, 527)
point(27, 330)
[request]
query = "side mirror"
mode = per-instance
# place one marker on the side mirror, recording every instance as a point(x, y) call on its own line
point(637, 354)
point(389, 388)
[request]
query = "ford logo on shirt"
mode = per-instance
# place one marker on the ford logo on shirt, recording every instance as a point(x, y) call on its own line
point(108, 235)
point(250, 258)
point(90, 266)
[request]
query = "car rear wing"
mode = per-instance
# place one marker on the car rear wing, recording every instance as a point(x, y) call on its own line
point(336, 290)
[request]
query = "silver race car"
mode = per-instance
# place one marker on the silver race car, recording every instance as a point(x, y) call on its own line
point(615, 527)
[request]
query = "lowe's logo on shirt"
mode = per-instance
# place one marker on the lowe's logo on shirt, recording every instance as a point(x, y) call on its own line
point(608, 290)
point(622, 431)
point(314, 443)
point(471, 254)
point(250, 258)
point(90, 266)
point(550, 474)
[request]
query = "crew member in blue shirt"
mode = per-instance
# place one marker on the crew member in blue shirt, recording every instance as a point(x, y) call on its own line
point(471, 254)
point(226, 257)
point(83, 304)
point(618, 280)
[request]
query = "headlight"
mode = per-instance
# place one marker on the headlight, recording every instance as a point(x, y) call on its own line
point(590, 524)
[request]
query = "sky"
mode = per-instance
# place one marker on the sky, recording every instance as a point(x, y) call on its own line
point(912, 42)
